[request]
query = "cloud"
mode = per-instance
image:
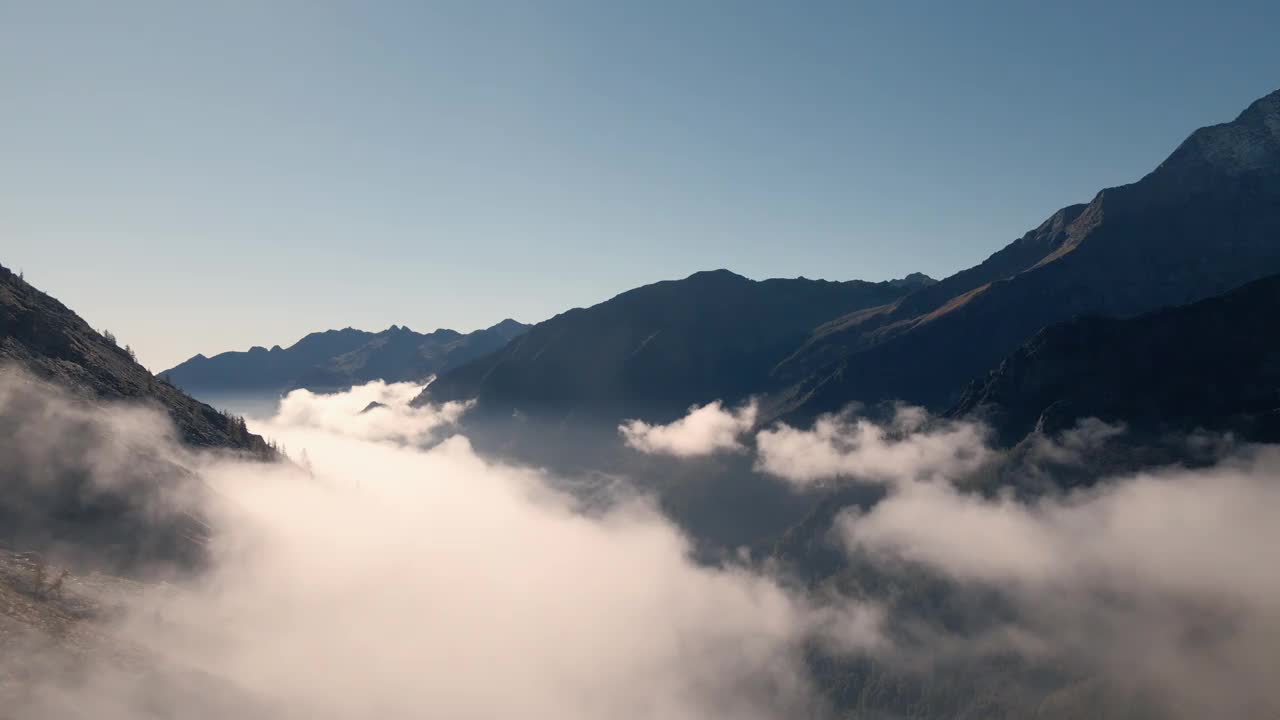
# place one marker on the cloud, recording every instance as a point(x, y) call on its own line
point(375, 411)
point(398, 581)
point(909, 446)
point(1160, 580)
point(705, 430)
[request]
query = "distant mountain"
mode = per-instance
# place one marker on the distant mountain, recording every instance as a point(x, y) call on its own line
point(657, 349)
point(338, 359)
point(1212, 365)
point(55, 373)
point(1205, 221)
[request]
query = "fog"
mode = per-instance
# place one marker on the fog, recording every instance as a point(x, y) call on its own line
point(389, 569)
point(1162, 581)
point(379, 578)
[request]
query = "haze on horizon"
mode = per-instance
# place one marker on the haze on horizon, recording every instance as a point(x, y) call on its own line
point(201, 179)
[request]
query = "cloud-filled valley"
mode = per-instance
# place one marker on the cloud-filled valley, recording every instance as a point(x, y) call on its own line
point(1044, 486)
point(391, 578)
point(393, 568)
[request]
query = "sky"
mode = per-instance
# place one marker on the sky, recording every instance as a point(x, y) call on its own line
point(201, 177)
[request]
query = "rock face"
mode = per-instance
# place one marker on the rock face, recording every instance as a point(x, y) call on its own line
point(42, 336)
point(338, 359)
point(1213, 365)
point(1205, 221)
point(655, 350)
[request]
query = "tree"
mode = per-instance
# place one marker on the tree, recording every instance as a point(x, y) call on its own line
point(132, 355)
point(106, 335)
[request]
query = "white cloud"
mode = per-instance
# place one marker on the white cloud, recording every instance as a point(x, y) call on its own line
point(705, 430)
point(1163, 580)
point(353, 413)
point(909, 446)
point(396, 581)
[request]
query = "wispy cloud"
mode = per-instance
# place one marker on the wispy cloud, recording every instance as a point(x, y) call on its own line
point(705, 430)
point(909, 446)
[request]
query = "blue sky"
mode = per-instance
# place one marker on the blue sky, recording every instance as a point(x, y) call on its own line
point(204, 177)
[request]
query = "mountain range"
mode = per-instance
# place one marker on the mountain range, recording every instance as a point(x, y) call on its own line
point(1152, 306)
point(655, 350)
point(338, 359)
point(1205, 221)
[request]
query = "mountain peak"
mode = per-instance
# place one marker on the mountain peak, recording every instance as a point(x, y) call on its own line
point(715, 275)
point(915, 279)
point(1249, 143)
point(507, 324)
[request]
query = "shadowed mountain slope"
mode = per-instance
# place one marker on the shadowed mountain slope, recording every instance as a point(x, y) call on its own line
point(83, 483)
point(339, 359)
point(46, 339)
point(1212, 365)
point(1205, 221)
point(657, 349)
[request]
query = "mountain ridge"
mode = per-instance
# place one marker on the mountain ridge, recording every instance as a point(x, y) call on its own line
point(658, 348)
point(1204, 221)
point(336, 359)
point(1212, 365)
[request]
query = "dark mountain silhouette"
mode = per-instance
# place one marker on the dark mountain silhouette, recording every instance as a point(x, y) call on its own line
point(657, 349)
point(338, 359)
point(43, 337)
point(56, 373)
point(1205, 221)
point(1212, 365)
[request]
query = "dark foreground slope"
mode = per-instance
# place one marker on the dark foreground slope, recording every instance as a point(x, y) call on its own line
point(46, 339)
point(83, 482)
point(1205, 221)
point(339, 359)
point(653, 351)
point(1212, 365)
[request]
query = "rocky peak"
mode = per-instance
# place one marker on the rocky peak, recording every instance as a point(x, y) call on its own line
point(913, 280)
point(1250, 143)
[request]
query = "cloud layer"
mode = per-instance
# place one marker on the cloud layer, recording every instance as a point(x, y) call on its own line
point(1155, 588)
point(395, 581)
point(401, 573)
point(910, 446)
point(705, 430)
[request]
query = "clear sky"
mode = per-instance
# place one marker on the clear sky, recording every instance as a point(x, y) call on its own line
point(198, 177)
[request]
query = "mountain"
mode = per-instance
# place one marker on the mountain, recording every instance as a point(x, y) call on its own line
point(56, 442)
point(1205, 221)
point(44, 338)
point(338, 359)
point(655, 350)
point(1212, 365)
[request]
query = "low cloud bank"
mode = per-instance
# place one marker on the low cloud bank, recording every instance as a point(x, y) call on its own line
point(375, 411)
point(705, 430)
point(910, 446)
point(1160, 582)
point(400, 573)
point(392, 581)
point(1156, 588)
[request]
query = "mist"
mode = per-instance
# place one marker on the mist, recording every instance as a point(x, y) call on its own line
point(389, 570)
point(1157, 584)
